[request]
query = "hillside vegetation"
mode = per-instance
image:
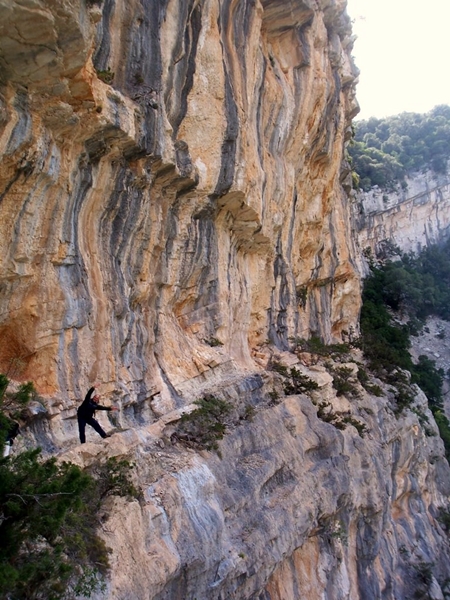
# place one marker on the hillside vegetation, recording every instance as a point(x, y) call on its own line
point(383, 151)
point(398, 297)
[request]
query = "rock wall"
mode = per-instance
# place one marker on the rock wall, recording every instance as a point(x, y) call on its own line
point(411, 217)
point(171, 175)
point(174, 211)
point(292, 508)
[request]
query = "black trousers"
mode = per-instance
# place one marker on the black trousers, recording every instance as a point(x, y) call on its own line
point(83, 421)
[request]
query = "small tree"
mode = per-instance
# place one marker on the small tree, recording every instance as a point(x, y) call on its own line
point(47, 532)
point(48, 526)
point(205, 425)
point(297, 383)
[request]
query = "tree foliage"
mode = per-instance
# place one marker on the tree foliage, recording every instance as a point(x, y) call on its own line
point(399, 288)
point(413, 288)
point(385, 150)
point(48, 527)
point(49, 519)
point(418, 286)
point(205, 425)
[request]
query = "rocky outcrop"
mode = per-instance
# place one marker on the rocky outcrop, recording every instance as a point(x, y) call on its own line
point(174, 213)
point(292, 508)
point(411, 217)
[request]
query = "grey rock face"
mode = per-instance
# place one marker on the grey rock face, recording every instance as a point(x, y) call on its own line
point(410, 218)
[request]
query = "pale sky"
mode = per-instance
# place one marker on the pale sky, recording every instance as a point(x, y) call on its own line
point(403, 53)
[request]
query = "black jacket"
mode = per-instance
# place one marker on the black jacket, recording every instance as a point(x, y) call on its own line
point(88, 406)
point(12, 430)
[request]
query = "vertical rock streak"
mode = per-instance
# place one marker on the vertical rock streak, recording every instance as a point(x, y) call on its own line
point(212, 97)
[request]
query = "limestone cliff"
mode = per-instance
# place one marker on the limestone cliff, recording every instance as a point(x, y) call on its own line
point(174, 210)
point(294, 508)
point(411, 217)
point(193, 196)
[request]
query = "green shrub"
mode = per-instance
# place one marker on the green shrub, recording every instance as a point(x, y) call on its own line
point(425, 577)
point(297, 383)
point(342, 382)
point(338, 419)
point(444, 518)
point(429, 379)
point(362, 376)
point(249, 413)
point(360, 427)
point(404, 397)
point(385, 343)
point(274, 397)
point(374, 389)
point(279, 368)
point(444, 429)
point(364, 380)
point(205, 425)
point(325, 413)
point(213, 342)
point(302, 296)
point(112, 478)
point(107, 76)
point(15, 401)
point(50, 545)
point(315, 346)
point(416, 286)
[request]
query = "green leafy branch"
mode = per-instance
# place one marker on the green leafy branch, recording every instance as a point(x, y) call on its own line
point(205, 425)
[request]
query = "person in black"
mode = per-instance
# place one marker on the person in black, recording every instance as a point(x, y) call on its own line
point(85, 414)
point(13, 431)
